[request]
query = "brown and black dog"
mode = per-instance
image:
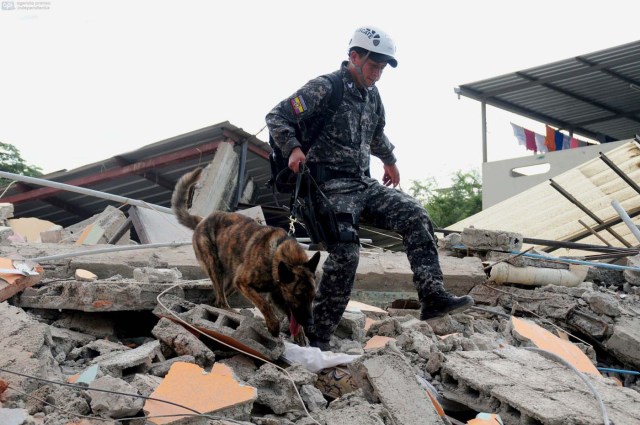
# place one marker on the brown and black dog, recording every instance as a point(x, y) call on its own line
point(239, 254)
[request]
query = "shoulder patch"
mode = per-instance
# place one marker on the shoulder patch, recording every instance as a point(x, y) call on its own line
point(298, 105)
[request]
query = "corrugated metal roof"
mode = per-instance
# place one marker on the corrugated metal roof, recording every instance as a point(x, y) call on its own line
point(150, 173)
point(596, 95)
point(544, 212)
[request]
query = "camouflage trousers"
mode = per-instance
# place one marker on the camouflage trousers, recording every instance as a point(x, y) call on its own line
point(382, 207)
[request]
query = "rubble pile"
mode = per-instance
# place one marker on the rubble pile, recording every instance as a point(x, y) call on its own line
point(131, 338)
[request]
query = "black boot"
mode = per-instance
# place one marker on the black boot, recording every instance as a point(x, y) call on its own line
point(440, 303)
point(321, 344)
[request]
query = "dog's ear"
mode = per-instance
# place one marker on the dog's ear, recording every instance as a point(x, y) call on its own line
point(313, 263)
point(284, 273)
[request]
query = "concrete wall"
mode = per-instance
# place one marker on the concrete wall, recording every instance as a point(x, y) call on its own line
point(499, 182)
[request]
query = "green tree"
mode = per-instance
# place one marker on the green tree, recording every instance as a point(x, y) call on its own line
point(452, 204)
point(11, 161)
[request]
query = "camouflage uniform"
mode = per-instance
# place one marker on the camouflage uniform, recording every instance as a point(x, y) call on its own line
point(343, 147)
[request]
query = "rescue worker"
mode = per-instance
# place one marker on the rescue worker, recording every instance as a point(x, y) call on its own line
point(339, 162)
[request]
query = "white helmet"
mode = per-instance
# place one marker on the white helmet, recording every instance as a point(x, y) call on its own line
point(377, 42)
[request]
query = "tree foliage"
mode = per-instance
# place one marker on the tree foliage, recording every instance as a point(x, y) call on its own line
point(11, 161)
point(447, 206)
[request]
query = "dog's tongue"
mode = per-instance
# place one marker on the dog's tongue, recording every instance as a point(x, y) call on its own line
point(294, 327)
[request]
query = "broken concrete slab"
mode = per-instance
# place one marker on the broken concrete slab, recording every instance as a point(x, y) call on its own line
point(26, 347)
point(137, 360)
point(145, 384)
point(354, 409)
point(98, 229)
point(482, 240)
point(624, 343)
point(162, 368)
point(545, 340)
point(109, 404)
point(217, 182)
point(245, 333)
point(381, 277)
point(157, 226)
point(524, 387)
point(183, 342)
point(216, 392)
point(277, 390)
point(112, 295)
point(386, 377)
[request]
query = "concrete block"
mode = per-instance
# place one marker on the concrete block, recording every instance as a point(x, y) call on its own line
point(632, 276)
point(482, 239)
point(242, 365)
point(245, 333)
point(6, 235)
point(30, 227)
point(217, 183)
point(137, 360)
point(353, 409)
point(216, 392)
point(145, 384)
point(351, 326)
point(113, 405)
point(6, 211)
point(13, 416)
point(276, 390)
point(158, 227)
point(154, 275)
point(313, 398)
point(386, 377)
point(624, 343)
point(162, 368)
point(54, 235)
point(183, 342)
point(98, 229)
point(602, 303)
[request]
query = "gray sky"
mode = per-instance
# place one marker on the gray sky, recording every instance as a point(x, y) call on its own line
point(86, 80)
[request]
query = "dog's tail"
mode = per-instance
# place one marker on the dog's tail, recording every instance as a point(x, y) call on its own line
point(180, 199)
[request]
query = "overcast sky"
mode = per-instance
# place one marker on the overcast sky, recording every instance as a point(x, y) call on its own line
point(83, 81)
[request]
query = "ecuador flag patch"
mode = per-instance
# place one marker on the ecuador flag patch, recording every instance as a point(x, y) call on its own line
point(298, 105)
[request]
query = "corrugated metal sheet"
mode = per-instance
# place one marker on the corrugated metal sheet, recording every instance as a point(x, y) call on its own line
point(542, 212)
point(591, 95)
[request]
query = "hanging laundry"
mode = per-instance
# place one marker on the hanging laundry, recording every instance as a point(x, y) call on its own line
point(566, 142)
point(519, 133)
point(530, 140)
point(550, 139)
point(540, 146)
point(558, 140)
point(573, 143)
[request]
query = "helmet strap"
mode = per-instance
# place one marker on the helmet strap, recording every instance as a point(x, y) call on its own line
point(359, 68)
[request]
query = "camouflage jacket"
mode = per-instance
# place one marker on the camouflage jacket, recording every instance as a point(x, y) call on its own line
point(348, 138)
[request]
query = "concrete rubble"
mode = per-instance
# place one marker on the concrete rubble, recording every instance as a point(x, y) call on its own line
point(141, 324)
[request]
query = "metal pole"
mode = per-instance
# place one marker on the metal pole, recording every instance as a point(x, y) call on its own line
point(484, 132)
point(625, 217)
point(84, 191)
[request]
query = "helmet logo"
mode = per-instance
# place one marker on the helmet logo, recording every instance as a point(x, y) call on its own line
point(371, 35)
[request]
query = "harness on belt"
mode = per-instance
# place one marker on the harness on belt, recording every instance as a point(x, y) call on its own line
point(282, 178)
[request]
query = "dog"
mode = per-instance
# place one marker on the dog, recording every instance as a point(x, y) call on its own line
point(238, 254)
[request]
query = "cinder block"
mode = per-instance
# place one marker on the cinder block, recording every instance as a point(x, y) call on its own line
point(238, 331)
point(482, 239)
